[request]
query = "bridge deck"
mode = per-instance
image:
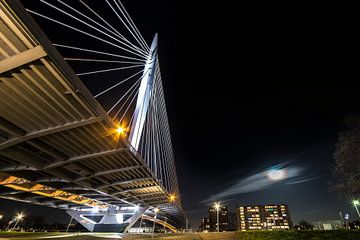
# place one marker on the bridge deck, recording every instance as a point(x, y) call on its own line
point(53, 131)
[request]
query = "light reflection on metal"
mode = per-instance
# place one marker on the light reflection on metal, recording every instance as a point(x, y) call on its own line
point(160, 222)
point(25, 185)
point(144, 96)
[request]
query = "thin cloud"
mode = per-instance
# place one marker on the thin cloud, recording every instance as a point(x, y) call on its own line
point(262, 180)
point(303, 180)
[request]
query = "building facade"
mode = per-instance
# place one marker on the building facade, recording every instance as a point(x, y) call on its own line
point(223, 218)
point(268, 217)
point(204, 225)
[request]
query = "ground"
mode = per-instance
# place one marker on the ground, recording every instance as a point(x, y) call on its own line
point(260, 235)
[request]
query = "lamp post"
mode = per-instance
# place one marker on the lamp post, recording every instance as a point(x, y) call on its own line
point(141, 220)
point(356, 202)
point(18, 217)
point(156, 210)
point(217, 207)
point(68, 226)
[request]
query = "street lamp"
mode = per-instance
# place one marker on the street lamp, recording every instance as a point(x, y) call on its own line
point(156, 210)
point(356, 202)
point(18, 218)
point(217, 207)
point(1, 216)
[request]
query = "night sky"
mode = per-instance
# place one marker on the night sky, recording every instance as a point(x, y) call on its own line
point(249, 88)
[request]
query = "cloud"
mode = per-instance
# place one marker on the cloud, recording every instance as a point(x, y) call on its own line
point(302, 180)
point(262, 180)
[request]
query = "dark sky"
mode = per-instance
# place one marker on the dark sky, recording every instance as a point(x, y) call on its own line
point(248, 88)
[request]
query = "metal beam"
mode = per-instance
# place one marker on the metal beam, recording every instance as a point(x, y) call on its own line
point(92, 194)
point(160, 222)
point(18, 168)
point(109, 172)
point(49, 131)
point(84, 157)
point(133, 189)
point(144, 96)
point(125, 182)
point(7, 193)
point(22, 184)
point(10, 128)
point(144, 195)
point(22, 58)
point(51, 179)
point(75, 188)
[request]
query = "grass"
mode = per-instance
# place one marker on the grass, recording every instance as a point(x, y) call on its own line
point(284, 235)
point(255, 235)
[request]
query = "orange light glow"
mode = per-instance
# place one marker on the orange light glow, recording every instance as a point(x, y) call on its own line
point(172, 197)
point(120, 130)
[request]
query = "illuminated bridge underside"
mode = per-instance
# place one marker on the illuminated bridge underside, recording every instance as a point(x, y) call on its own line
point(53, 132)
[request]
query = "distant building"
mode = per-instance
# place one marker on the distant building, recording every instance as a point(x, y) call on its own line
point(277, 217)
point(328, 225)
point(204, 225)
point(250, 218)
point(268, 217)
point(223, 219)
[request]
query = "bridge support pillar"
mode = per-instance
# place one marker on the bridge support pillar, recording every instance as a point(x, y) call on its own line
point(112, 220)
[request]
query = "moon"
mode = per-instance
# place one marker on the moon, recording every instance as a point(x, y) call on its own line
point(276, 174)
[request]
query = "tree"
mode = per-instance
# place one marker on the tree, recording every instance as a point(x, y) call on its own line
point(304, 225)
point(346, 170)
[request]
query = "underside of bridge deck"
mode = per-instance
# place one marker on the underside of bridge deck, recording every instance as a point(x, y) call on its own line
point(54, 133)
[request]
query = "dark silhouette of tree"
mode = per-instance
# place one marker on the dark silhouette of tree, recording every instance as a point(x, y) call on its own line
point(346, 170)
point(304, 225)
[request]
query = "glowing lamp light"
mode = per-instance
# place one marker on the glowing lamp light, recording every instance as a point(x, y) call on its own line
point(1, 217)
point(217, 206)
point(20, 216)
point(120, 130)
point(172, 197)
point(136, 208)
point(356, 202)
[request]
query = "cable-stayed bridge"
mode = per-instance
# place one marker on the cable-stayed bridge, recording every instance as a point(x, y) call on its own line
point(105, 157)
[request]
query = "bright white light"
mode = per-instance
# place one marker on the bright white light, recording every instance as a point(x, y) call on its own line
point(276, 174)
point(20, 216)
point(136, 208)
point(119, 218)
point(95, 209)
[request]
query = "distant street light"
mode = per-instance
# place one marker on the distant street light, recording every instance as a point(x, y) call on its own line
point(156, 210)
point(1, 216)
point(356, 202)
point(217, 207)
point(18, 218)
